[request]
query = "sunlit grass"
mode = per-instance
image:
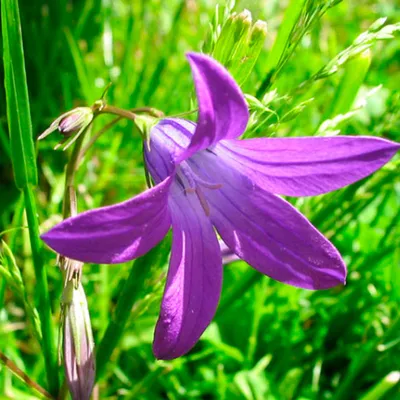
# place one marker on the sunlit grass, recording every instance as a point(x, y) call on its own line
point(268, 340)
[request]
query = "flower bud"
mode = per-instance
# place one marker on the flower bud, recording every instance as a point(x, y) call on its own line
point(78, 344)
point(246, 61)
point(242, 25)
point(258, 34)
point(232, 41)
point(75, 121)
point(71, 124)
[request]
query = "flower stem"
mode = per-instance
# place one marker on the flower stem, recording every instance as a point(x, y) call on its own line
point(130, 114)
point(121, 114)
point(107, 109)
point(69, 204)
point(44, 307)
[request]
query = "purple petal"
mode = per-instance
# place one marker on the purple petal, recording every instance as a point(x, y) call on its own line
point(308, 166)
point(114, 234)
point(194, 279)
point(223, 112)
point(169, 138)
point(228, 256)
point(266, 231)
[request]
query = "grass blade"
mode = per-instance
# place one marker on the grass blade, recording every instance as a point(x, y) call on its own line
point(24, 165)
point(18, 111)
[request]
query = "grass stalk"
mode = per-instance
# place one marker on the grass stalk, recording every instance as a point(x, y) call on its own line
point(292, 14)
point(44, 307)
point(25, 171)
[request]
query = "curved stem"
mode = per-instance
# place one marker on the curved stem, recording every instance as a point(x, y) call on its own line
point(69, 204)
point(121, 114)
point(107, 109)
point(96, 136)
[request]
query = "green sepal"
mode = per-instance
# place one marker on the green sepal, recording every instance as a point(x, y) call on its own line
point(144, 124)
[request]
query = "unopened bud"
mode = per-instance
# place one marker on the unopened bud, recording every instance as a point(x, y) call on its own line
point(246, 56)
point(78, 344)
point(70, 125)
point(242, 26)
point(233, 37)
point(258, 34)
point(75, 121)
point(243, 21)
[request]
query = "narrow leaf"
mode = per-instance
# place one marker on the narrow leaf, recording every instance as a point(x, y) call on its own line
point(18, 111)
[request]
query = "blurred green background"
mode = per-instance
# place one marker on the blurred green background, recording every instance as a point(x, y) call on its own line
point(268, 340)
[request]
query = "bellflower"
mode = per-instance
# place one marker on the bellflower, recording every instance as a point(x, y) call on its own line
point(206, 181)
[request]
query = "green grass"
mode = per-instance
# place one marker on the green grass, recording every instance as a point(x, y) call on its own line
point(268, 340)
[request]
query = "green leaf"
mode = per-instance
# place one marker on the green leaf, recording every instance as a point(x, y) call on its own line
point(25, 171)
point(383, 386)
point(12, 275)
point(18, 111)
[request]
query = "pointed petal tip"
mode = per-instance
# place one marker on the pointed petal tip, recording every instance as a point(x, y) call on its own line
point(194, 57)
point(194, 281)
point(162, 354)
point(114, 234)
point(287, 166)
point(164, 349)
point(47, 237)
point(223, 110)
point(335, 277)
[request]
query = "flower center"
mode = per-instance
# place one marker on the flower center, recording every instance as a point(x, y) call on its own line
point(192, 183)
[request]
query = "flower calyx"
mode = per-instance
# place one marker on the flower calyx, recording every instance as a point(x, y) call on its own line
point(144, 124)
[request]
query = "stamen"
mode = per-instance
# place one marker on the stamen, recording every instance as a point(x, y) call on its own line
point(192, 183)
point(190, 190)
point(207, 185)
point(203, 202)
point(188, 174)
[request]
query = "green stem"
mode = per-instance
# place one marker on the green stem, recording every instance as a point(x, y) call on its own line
point(72, 166)
point(126, 300)
point(361, 361)
point(44, 307)
point(107, 109)
point(274, 62)
point(260, 298)
point(231, 296)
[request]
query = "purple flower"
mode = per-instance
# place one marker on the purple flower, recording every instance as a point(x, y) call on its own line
point(206, 178)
